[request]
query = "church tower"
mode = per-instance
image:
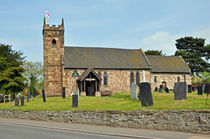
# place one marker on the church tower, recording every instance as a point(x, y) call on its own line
point(53, 45)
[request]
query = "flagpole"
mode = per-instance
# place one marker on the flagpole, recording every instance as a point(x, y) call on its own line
point(46, 15)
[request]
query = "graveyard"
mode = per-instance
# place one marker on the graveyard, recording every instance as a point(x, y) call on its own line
point(119, 102)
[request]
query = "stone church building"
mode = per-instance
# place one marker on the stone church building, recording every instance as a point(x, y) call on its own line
point(93, 70)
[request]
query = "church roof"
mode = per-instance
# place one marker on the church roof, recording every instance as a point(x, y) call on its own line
point(164, 64)
point(105, 58)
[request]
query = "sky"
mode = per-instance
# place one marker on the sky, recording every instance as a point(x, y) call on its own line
point(129, 24)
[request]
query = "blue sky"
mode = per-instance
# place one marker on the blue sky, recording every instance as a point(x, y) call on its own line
point(131, 24)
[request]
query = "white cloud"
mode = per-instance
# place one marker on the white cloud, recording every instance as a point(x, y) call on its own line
point(160, 41)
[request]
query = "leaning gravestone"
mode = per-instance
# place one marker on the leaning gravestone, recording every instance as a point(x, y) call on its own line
point(22, 100)
point(17, 101)
point(189, 88)
point(74, 101)
point(145, 94)
point(180, 91)
point(133, 91)
point(200, 90)
point(43, 95)
point(63, 93)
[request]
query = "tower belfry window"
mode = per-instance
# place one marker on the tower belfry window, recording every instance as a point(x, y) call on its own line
point(53, 43)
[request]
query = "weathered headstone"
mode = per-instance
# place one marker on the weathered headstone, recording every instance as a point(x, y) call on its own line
point(180, 91)
point(207, 88)
point(200, 90)
point(22, 100)
point(1, 98)
point(189, 88)
point(161, 88)
point(63, 93)
point(145, 94)
point(167, 90)
point(17, 101)
point(156, 89)
point(28, 97)
point(133, 91)
point(43, 95)
point(74, 101)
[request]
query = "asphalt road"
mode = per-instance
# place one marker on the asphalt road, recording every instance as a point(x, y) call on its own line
point(27, 129)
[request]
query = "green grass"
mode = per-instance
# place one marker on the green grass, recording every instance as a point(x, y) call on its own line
point(119, 101)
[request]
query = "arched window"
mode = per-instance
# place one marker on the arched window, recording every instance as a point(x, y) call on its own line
point(53, 43)
point(155, 79)
point(131, 77)
point(178, 79)
point(105, 78)
point(137, 78)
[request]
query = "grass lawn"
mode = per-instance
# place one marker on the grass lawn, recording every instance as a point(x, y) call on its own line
point(119, 101)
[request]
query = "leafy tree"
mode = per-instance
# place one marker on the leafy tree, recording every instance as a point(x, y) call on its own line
point(34, 75)
point(154, 52)
point(194, 52)
point(11, 70)
point(202, 77)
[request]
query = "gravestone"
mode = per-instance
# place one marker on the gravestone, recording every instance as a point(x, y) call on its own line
point(1, 98)
point(180, 90)
point(199, 90)
point(22, 100)
point(145, 94)
point(133, 91)
point(17, 101)
point(28, 97)
point(156, 89)
point(189, 88)
point(43, 95)
point(167, 90)
point(161, 88)
point(63, 92)
point(207, 88)
point(74, 101)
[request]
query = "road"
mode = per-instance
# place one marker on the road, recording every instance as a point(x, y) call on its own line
point(27, 129)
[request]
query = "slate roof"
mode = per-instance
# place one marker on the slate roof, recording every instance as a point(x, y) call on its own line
point(165, 64)
point(104, 58)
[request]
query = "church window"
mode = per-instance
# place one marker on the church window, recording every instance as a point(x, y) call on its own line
point(137, 78)
point(178, 79)
point(75, 74)
point(131, 77)
point(155, 79)
point(105, 78)
point(53, 43)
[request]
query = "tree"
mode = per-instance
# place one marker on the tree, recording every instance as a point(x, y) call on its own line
point(194, 52)
point(154, 52)
point(11, 70)
point(34, 75)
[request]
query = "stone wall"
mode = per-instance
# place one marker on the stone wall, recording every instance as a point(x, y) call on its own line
point(118, 80)
point(170, 79)
point(197, 121)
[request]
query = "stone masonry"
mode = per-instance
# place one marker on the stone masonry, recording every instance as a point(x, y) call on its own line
point(195, 121)
point(53, 39)
point(118, 80)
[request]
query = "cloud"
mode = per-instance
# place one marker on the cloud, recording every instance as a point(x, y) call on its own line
point(165, 41)
point(160, 41)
